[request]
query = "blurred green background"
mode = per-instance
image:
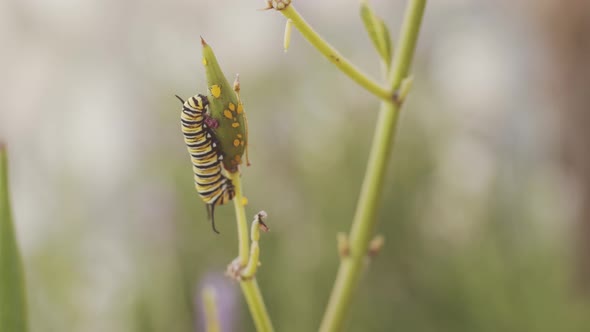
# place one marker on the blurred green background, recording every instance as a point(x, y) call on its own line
point(486, 208)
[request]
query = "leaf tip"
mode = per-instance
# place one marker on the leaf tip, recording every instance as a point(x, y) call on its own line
point(203, 42)
point(287, 36)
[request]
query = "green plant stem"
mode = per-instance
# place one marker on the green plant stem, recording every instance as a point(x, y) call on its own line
point(334, 56)
point(364, 220)
point(250, 270)
point(256, 304)
point(242, 223)
point(407, 40)
point(249, 286)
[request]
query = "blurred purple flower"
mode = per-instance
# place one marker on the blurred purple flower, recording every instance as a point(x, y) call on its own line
point(226, 295)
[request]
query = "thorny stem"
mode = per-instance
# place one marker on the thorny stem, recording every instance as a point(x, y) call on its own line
point(333, 55)
point(364, 219)
point(249, 286)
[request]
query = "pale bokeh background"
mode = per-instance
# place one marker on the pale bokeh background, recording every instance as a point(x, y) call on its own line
point(479, 213)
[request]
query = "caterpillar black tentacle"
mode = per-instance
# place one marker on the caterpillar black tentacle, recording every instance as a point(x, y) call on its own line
point(211, 184)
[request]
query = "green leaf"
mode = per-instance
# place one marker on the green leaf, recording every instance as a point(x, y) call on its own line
point(13, 315)
point(378, 32)
point(226, 107)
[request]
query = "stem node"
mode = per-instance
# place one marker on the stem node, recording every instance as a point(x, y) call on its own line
point(376, 245)
point(343, 245)
point(333, 55)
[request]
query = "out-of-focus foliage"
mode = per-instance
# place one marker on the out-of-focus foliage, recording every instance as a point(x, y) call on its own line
point(476, 215)
point(378, 31)
point(13, 312)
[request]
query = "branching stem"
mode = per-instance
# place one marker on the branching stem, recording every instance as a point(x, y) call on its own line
point(334, 56)
point(249, 286)
point(364, 220)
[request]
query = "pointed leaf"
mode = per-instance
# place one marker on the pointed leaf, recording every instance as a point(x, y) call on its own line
point(13, 316)
point(225, 107)
point(378, 32)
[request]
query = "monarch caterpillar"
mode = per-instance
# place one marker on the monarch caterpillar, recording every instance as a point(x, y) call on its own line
point(213, 186)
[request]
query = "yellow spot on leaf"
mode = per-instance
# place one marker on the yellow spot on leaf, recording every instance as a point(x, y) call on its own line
point(227, 114)
point(235, 124)
point(215, 91)
point(204, 62)
point(242, 143)
point(232, 107)
point(240, 108)
point(239, 135)
point(238, 159)
point(236, 142)
point(244, 201)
